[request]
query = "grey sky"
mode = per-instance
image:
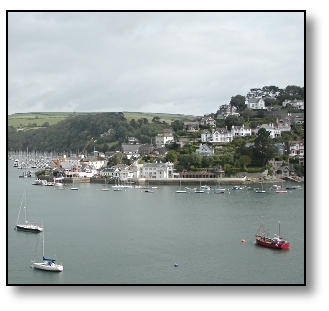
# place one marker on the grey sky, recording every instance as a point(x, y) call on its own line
point(172, 62)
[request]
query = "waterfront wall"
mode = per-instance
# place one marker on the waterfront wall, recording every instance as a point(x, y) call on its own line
point(176, 181)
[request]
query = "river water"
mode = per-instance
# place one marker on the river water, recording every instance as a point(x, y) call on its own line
point(133, 237)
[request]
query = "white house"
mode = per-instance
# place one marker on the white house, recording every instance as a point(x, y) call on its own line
point(255, 103)
point(162, 139)
point(131, 150)
point(206, 136)
point(207, 121)
point(296, 149)
point(157, 170)
point(218, 135)
point(116, 172)
point(299, 104)
point(95, 162)
point(205, 150)
point(240, 131)
point(275, 131)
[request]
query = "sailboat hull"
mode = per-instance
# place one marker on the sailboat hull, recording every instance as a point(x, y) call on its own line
point(266, 242)
point(48, 267)
point(29, 228)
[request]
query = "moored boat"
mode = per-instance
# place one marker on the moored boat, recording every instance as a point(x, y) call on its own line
point(281, 191)
point(237, 188)
point(47, 263)
point(26, 226)
point(276, 242)
point(180, 190)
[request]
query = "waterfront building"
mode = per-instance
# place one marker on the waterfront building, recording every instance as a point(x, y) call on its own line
point(157, 170)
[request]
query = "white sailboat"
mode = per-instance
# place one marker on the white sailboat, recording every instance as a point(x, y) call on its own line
point(74, 188)
point(261, 191)
point(199, 190)
point(58, 182)
point(106, 188)
point(148, 189)
point(180, 188)
point(218, 189)
point(47, 263)
point(27, 225)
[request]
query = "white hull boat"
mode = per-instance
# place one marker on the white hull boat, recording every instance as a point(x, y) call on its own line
point(46, 264)
point(27, 226)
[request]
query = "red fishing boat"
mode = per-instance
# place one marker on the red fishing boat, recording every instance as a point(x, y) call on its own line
point(275, 242)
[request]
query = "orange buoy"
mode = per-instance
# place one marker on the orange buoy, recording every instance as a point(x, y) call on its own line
point(243, 240)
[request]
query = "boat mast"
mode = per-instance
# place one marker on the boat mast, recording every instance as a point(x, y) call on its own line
point(279, 229)
point(43, 244)
point(25, 203)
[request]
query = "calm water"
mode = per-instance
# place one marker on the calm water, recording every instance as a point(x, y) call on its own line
point(133, 237)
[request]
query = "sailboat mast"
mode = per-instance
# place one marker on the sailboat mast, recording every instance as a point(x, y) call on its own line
point(43, 244)
point(279, 229)
point(25, 203)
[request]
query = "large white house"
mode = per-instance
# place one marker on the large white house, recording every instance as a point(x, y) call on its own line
point(157, 170)
point(240, 131)
point(131, 150)
point(274, 131)
point(255, 103)
point(218, 135)
point(95, 162)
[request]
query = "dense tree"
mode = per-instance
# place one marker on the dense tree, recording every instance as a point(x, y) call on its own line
point(171, 156)
point(238, 101)
point(133, 123)
point(207, 161)
point(248, 113)
point(263, 149)
point(177, 125)
point(156, 119)
point(116, 159)
point(232, 120)
point(244, 161)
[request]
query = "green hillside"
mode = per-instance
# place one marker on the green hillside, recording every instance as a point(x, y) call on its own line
point(39, 118)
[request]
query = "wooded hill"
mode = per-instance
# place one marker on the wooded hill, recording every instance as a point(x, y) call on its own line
point(74, 131)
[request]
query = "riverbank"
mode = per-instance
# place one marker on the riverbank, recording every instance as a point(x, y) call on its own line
point(183, 181)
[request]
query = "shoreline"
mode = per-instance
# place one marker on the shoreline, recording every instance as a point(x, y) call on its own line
point(183, 181)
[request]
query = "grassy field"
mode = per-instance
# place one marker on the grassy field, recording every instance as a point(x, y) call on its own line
point(52, 118)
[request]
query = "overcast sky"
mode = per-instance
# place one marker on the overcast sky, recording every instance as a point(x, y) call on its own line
point(171, 62)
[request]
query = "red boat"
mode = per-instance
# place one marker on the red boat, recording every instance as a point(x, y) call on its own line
point(276, 242)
